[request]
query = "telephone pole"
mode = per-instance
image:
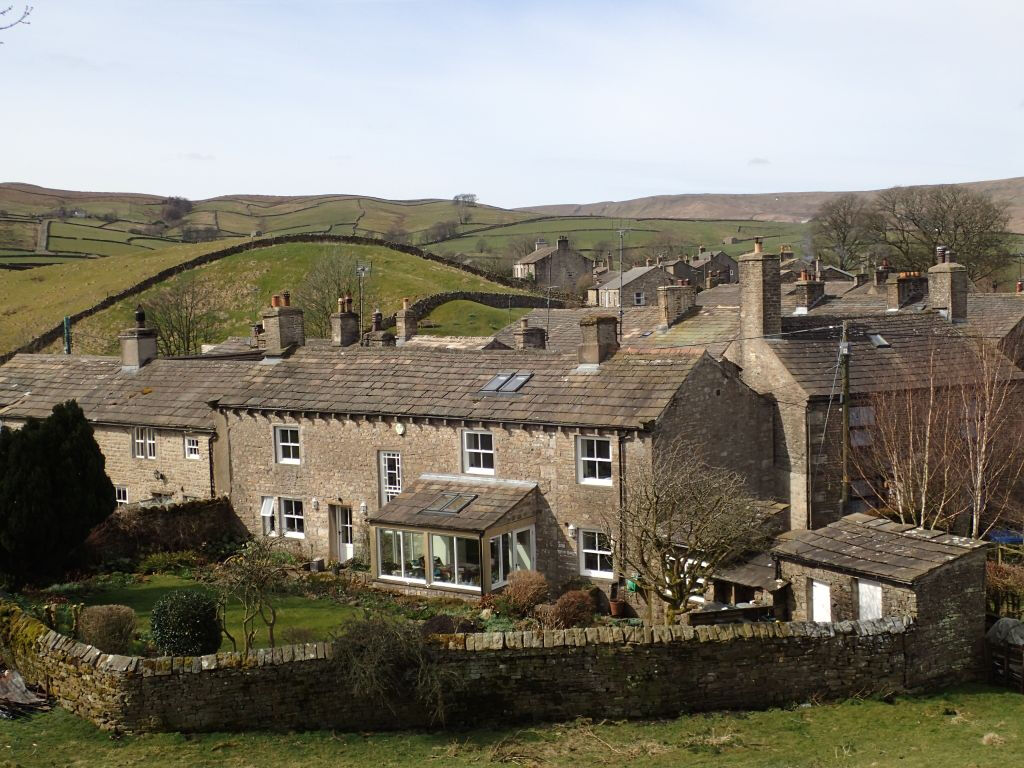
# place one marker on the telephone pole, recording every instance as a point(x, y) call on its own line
point(622, 234)
point(844, 369)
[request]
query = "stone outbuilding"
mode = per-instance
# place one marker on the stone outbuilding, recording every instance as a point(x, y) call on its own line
point(554, 266)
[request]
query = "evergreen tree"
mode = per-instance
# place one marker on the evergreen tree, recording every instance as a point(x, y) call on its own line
point(53, 491)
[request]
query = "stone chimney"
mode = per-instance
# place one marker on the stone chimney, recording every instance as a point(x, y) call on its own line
point(861, 278)
point(675, 301)
point(882, 273)
point(947, 289)
point(138, 344)
point(907, 287)
point(529, 338)
point(563, 243)
point(378, 337)
point(283, 326)
point(809, 290)
point(600, 339)
point(405, 322)
point(760, 293)
point(647, 263)
point(344, 324)
point(700, 249)
point(540, 243)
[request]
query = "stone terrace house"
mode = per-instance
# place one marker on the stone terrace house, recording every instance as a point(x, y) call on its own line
point(456, 467)
point(151, 416)
point(554, 266)
point(638, 285)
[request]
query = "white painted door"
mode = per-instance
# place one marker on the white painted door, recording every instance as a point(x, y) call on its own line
point(821, 602)
point(343, 532)
point(869, 599)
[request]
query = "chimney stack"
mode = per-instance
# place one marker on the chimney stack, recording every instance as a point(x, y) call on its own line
point(907, 287)
point(344, 324)
point(378, 337)
point(700, 249)
point(648, 262)
point(138, 344)
point(600, 339)
point(563, 243)
point(760, 293)
point(809, 291)
point(675, 301)
point(406, 322)
point(540, 243)
point(529, 338)
point(947, 289)
point(283, 324)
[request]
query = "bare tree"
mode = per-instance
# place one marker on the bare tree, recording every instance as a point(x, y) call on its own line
point(252, 577)
point(912, 221)
point(440, 230)
point(183, 315)
point(662, 244)
point(682, 520)
point(463, 203)
point(948, 455)
point(9, 20)
point(844, 229)
point(331, 276)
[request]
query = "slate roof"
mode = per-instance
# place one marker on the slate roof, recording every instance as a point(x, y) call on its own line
point(493, 501)
point(875, 547)
point(538, 255)
point(924, 348)
point(425, 341)
point(627, 390)
point(167, 392)
point(610, 280)
point(30, 385)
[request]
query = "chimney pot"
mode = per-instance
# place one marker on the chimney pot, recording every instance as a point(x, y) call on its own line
point(377, 321)
point(341, 305)
point(405, 303)
point(758, 245)
point(1020, 286)
point(286, 299)
point(275, 300)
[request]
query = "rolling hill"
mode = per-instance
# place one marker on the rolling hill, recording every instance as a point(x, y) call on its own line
point(773, 206)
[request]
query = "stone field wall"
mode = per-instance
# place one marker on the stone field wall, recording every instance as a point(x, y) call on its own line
point(508, 677)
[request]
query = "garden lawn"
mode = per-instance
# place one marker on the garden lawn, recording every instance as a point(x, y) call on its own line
point(319, 617)
point(962, 728)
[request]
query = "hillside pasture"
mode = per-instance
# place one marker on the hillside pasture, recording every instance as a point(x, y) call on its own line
point(241, 286)
point(18, 234)
point(467, 318)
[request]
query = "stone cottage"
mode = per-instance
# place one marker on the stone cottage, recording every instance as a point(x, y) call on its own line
point(638, 286)
point(555, 266)
point(150, 416)
point(452, 468)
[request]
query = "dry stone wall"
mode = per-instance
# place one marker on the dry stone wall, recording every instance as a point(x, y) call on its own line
point(507, 677)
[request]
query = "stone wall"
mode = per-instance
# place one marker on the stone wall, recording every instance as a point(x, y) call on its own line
point(506, 677)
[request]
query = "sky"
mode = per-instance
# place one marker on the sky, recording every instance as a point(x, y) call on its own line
point(522, 103)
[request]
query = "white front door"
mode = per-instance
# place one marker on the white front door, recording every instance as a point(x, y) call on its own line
point(343, 532)
point(821, 602)
point(869, 599)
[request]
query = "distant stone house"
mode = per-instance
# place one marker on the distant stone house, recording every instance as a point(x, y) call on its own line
point(555, 266)
point(451, 468)
point(638, 287)
point(150, 416)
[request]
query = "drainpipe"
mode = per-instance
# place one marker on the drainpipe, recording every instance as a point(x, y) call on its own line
point(622, 499)
point(209, 457)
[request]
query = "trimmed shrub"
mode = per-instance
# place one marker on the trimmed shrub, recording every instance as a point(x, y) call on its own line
point(574, 609)
point(184, 623)
point(525, 590)
point(443, 624)
point(110, 628)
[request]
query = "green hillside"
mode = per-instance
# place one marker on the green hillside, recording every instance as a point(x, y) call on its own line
point(241, 285)
point(467, 318)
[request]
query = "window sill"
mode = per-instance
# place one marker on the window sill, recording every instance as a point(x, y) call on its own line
point(474, 471)
point(401, 580)
point(293, 535)
point(599, 483)
point(603, 575)
point(193, 458)
point(294, 462)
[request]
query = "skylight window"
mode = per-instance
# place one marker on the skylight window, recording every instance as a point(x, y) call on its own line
point(516, 382)
point(496, 383)
point(878, 341)
point(450, 503)
point(507, 382)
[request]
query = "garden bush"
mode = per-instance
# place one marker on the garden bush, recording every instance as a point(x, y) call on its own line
point(111, 628)
point(169, 562)
point(185, 623)
point(525, 590)
point(443, 624)
point(574, 609)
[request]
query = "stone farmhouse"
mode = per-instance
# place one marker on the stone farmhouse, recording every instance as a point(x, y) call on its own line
point(151, 416)
point(554, 266)
point(638, 285)
point(452, 468)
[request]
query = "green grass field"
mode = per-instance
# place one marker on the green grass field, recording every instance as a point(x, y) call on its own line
point(317, 616)
point(467, 318)
point(970, 727)
point(241, 285)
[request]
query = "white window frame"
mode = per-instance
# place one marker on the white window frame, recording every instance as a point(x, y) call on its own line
point(143, 443)
point(582, 461)
point(280, 444)
point(400, 532)
point(268, 515)
point(455, 562)
point(502, 579)
point(639, 299)
point(388, 491)
point(287, 516)
point(863, 586)
point(121, 495)
point(467, 452)
point(597, 573)
point(192, 448)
